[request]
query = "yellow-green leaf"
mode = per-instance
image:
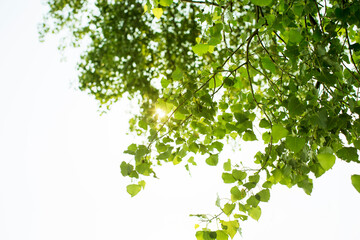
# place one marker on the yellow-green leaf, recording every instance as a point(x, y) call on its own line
point(262, 3)
point(326, 160)
point(278, 132)
point(230, 227)
point(200, 49)
point(158, 12)
point(355, 180)
point(133, 189)
point(255, 213)
point(221, 235)
point(142, 183)
point(166, 3)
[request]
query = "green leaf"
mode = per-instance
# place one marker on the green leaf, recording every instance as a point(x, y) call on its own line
point(355, 180)
point(228, 208)
point(191, 160)
point(264, 195)
point(262, 3)
point(221, 235)
point(227, 165)
point(264, 123)
point(215, 40)
point(205, 235)
point(326, 160)
point(212, 235)
point(126, 168)
point(166, 3)
point(143, 125)
point(355, 47)
point(230, 227)
point(348, 154)
point(254, 178)
point(158, 12)
point(306, 185)
point(200, 49)
point(278, 132)
point(295, 144)
point(216, 81)
point(357, 144)
point(267, 184)
point(133, 189)
point(228, 178)
point(295, 36)
point(141, 151)
point(250, 185)
point(295, 107)
point(239, 175)
point(144, 169)
point(131, 149)
point(249, 136)
point(255, 213)
point(142, 183)
point(268, 64)
point(218, 145)
point(236, 194)
point(252, 201)
point(212, 160)
point(161, 147)
point(266, 137)
point(200, 235)
point(177, 74)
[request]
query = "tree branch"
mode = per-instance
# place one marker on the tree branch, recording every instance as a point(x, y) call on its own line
point(201, 2)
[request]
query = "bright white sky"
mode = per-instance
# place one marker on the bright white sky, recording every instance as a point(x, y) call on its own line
point(59, 163)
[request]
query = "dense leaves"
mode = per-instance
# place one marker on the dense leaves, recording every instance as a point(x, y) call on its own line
point(281, 72)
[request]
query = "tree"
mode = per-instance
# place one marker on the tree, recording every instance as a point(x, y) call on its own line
point(282, 72)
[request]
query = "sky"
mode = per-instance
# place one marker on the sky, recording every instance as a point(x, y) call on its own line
point(59, 162)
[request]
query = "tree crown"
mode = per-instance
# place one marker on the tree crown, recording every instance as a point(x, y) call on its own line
point(207, 73)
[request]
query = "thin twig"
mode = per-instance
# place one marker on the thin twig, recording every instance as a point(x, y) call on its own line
point(201, 2)
point(351, 56)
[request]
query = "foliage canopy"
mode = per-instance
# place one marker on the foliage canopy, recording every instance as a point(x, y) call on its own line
point(282, 72)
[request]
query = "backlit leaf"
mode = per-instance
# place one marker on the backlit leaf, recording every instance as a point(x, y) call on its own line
point(166, 3)
point(326, 160)
point(278, 132)
point(221, 235)
point(200, 49)
point(255, 213)
point(133, 189)
point(228, 208)
point(158, 12)
point(230, 227)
